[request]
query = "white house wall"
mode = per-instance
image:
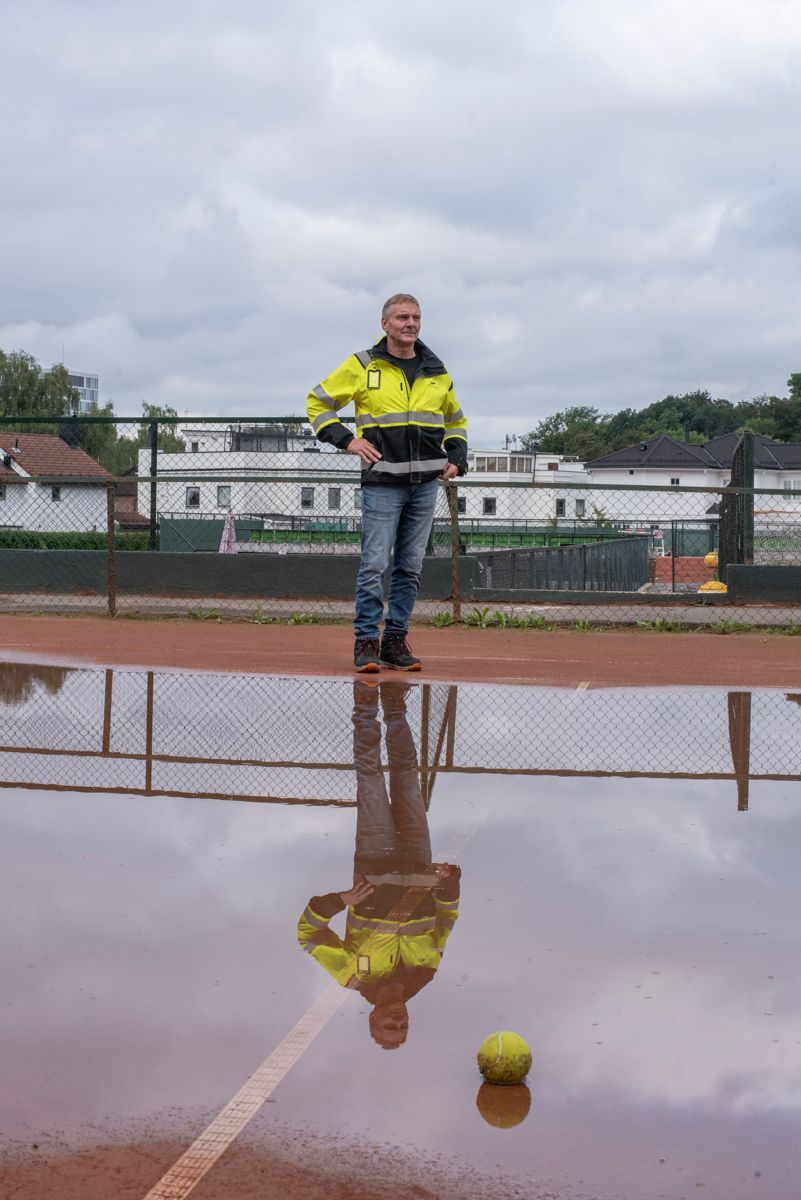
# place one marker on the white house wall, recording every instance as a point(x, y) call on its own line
point(82, 508)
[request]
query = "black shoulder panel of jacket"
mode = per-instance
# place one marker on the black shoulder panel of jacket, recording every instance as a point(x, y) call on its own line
point(328, 905)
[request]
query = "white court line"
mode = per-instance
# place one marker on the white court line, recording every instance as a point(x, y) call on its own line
point(215, 1139)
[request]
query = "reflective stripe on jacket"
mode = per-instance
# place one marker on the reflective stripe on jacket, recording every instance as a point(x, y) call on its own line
point(418, 431)
point(374, 948)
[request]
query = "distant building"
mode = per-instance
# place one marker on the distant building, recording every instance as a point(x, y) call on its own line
point(73, 496)
point(88, 391)
point(667, 462)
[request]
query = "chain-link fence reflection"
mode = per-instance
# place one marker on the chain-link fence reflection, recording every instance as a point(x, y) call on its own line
point(291, 740)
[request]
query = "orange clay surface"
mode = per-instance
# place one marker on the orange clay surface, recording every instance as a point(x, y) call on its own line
point(558, 658)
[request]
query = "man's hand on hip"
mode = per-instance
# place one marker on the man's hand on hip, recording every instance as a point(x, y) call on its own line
point(365, 450)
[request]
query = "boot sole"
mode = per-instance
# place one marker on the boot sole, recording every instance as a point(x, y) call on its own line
point(368, 669)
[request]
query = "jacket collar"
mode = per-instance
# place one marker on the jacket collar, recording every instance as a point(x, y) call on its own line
point(430, 364)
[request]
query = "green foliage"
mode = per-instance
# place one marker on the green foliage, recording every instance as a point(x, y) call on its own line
point(25, 539)
point(666, 625)
point(588, 433)
point(479, 617)
point(204, 614)
point(28, 391)
point(587, 627)
point(125, 451)
point(260, 617)
point(443, 619)
point(727, 625)
point(301, 619)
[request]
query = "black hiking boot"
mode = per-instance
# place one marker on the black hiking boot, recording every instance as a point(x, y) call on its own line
point(395, 653)
point(365, 655)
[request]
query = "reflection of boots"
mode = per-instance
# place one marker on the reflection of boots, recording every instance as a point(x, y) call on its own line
point(393, 696)
point(365, 692)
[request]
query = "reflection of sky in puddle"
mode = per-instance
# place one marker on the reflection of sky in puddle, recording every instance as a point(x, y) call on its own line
point(643, 934)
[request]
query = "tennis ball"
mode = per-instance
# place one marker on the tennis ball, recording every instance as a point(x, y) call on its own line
point(504, 1057)
point(503, 1107)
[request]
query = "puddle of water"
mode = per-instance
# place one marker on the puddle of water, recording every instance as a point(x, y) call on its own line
point(628, 902)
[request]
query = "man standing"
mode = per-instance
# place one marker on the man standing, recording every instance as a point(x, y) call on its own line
point(410, 433)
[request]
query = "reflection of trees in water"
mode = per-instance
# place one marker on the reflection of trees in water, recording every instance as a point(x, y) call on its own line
point(19, 680)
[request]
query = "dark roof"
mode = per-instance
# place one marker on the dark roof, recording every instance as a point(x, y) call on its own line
point(661, 451)
point(46, 454)
point(668, 452)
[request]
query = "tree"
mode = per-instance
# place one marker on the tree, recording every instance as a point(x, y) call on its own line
point(127, 448)
point(578, 430)
point(28, 391)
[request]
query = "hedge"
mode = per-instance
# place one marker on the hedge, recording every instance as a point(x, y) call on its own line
point(26, 539)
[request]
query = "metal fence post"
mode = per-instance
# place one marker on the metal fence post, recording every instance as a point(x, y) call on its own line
point(456, 574)
point(672, 556)
point(153, 443)
point(111, 553)
point(747, 509)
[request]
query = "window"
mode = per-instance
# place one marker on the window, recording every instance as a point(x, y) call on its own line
point(334, 497)
point(631, 472)
point(481, 464)
point(674, 481)
point(2, 491)
point(357, 499)
point(194, 447)
point(560, 508)
point(307, 497)
point(489, 506)
point(224, 495)
point(553, 466)
point(461, 504)
point(520, 464)
point(792, 485)
point(55, 491)
point(581, 506)
point(193, 497)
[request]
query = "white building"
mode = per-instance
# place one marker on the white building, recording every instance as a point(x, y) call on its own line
point(87, 387)
point(666, 462)
point(72, 496)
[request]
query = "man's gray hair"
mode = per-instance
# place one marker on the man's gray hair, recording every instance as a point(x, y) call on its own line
point(398, 298)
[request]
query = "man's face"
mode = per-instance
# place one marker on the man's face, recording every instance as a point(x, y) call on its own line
point(402, 324)
point(389, 1024)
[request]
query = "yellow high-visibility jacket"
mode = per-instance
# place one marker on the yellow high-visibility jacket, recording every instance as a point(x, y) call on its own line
point(418, 431)
point(376, 950)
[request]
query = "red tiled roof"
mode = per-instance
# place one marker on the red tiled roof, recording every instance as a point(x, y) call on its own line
point(46, 454)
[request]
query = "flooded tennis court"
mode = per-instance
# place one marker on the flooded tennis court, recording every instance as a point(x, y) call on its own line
point(190, 1007)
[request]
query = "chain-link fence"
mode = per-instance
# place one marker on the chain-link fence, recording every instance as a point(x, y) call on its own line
point(292, 740)
point(254, 519)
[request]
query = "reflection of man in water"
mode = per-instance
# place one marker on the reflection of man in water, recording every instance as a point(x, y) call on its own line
point(402, 907)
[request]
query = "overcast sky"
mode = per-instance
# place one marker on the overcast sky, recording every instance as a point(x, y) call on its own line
point(596, 201)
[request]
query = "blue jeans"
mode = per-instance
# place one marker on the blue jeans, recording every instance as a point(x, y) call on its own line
point(391, 827)
point(396, 520)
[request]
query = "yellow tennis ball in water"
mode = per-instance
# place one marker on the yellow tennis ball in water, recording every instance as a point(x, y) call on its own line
point(504, 1057)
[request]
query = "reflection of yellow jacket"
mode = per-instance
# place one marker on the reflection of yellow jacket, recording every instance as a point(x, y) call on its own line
point(417, 429)
point(376, 949)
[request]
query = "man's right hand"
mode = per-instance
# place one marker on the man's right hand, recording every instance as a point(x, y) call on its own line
point(360, 891)
point(365, 450)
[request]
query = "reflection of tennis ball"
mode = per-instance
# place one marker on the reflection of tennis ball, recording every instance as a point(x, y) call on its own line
point(503, 1107)
point(504, 1057)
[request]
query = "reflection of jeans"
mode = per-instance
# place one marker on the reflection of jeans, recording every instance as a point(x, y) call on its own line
point(391, 830)
point(399, 516)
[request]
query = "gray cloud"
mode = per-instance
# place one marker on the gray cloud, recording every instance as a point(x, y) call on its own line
point(207, 204)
